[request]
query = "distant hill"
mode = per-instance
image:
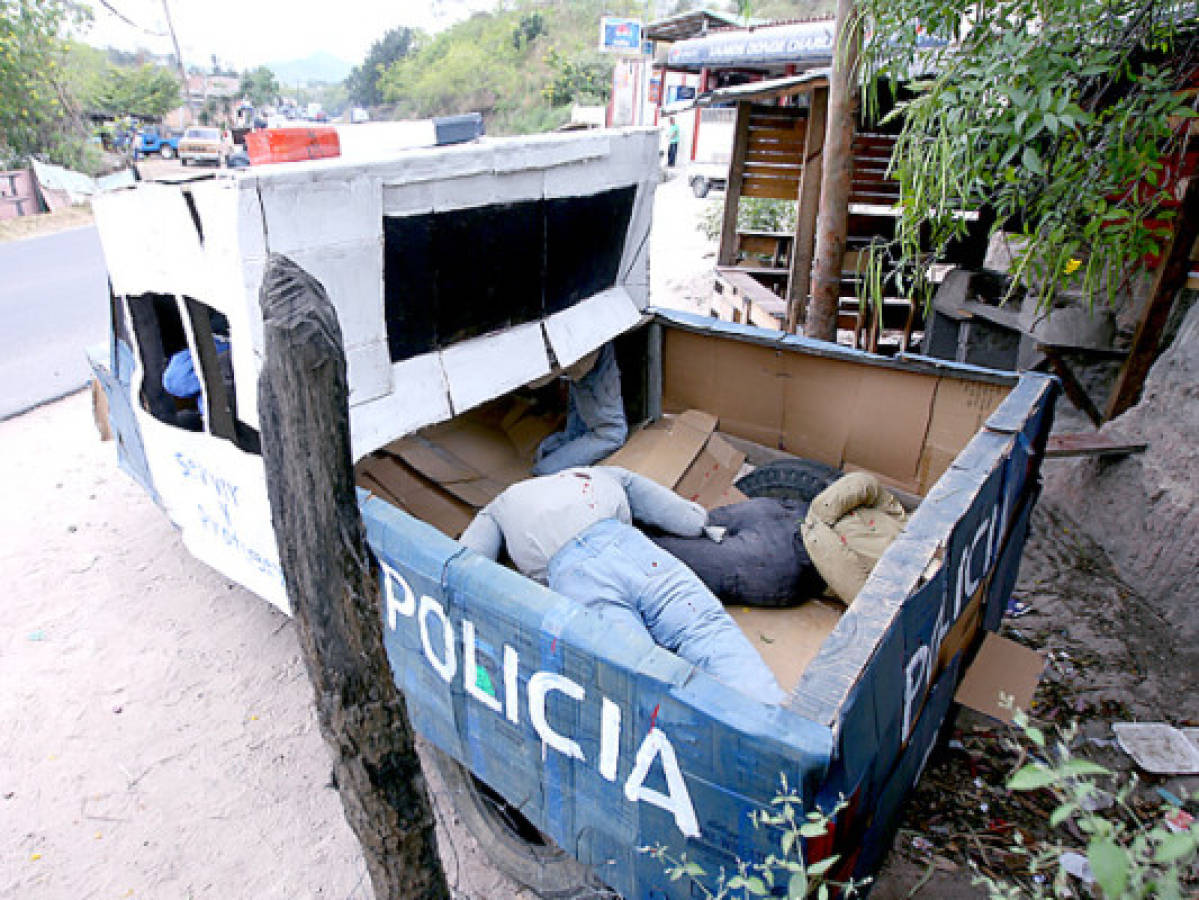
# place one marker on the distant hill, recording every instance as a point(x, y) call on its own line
point(318, 67)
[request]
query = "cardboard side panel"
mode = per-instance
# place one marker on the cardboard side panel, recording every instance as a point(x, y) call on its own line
point(216, 495)
point(420, 396)
point(818, 418)
point(131, 455)
point(606, 743)
point(575, 332)
point(888, 422)
point(1007, 569)
point(150, 242)
point(489, 367)
point(877, 839)
point(737, 382)
point(959, 410)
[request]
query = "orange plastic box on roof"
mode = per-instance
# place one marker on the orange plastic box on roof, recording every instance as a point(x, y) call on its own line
point(275, 145)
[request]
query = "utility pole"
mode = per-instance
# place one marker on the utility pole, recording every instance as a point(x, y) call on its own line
point(187, 107)
point(837, 176)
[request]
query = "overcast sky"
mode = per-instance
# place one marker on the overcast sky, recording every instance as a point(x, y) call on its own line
point(245, 33)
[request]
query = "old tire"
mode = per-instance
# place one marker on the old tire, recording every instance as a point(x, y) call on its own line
point(699, 186)
point(789, 479)
point(166, 151)
point(512, 842)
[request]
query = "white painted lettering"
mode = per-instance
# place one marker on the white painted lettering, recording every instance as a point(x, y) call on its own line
point(511, 685)
point(916, 677)
point(446, 664)
point(677, 800)
point(609, 739)
point(540, 684)
point(396, 606)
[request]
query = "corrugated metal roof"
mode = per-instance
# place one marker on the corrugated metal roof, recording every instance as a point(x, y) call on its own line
point(770, 88)
point(689, 25)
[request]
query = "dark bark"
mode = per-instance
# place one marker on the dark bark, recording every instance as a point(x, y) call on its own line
point(332, 588)
point(833, 222)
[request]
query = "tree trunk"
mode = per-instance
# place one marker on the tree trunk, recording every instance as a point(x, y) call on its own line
point(332, 588)
point(838, 173)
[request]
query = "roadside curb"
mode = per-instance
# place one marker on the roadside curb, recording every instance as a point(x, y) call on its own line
point(69, 392)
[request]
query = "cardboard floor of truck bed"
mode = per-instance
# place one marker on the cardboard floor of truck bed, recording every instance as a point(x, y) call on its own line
point(788, 639)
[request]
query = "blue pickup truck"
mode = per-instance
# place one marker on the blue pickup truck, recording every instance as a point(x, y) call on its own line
point(157, 141)
point(566, 749)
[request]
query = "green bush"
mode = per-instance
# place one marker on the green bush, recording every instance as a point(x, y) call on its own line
point(753, 214)
point(787, 819)
point(1129, 856)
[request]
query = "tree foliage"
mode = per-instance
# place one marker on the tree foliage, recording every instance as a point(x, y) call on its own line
point(147, 91)
point(362, 84)
point(38, 113)
point(260, 86)
point(1058, 115)
point(520, 66)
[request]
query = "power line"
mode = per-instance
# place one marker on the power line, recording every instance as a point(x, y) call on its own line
point(108, 6)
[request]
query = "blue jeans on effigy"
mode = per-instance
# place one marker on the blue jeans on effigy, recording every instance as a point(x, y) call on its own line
point(615, 569)
point(595, 423)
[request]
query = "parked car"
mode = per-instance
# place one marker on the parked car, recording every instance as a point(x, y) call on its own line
point(203, 144)
point(566, 747)
point(156, 140)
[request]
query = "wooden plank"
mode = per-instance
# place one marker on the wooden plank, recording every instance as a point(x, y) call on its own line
point(1073, 388)
point(1171, 276)
point(874, 140)
point(782, 135)
point(218, 414)
point(1060, 446)
point(332, 586)
point(784, 157)
point(799, 280)
point(727, 252)
point(772, 189)
point(780, 169)
point(872, 175)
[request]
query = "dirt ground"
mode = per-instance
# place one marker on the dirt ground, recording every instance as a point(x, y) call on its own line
point(46, 223)
point(161, 738)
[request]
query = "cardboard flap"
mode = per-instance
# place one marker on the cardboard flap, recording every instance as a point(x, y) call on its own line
point(664, 450)
point(391, 479)
point(1001, 666)
point(712, 473)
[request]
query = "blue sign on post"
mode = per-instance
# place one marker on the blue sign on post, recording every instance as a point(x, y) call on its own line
point(620, 35)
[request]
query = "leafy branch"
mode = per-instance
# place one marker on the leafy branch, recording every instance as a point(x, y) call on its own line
point(1128, 857)
point(1061, 118)
point(789, 866)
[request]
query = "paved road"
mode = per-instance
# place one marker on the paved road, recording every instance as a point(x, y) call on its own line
point(53, 304)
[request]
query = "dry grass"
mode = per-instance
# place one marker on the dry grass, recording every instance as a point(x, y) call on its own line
point(46, 223)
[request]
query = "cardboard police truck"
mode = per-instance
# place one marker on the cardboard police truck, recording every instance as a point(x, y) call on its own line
point(463, 275)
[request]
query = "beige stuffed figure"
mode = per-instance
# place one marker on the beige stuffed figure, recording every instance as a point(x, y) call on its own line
point(848, 526)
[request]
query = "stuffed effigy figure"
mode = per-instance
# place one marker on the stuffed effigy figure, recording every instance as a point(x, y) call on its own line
point(760, 559)
point(572, 530)
point(596, 426)
point(848, 527)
